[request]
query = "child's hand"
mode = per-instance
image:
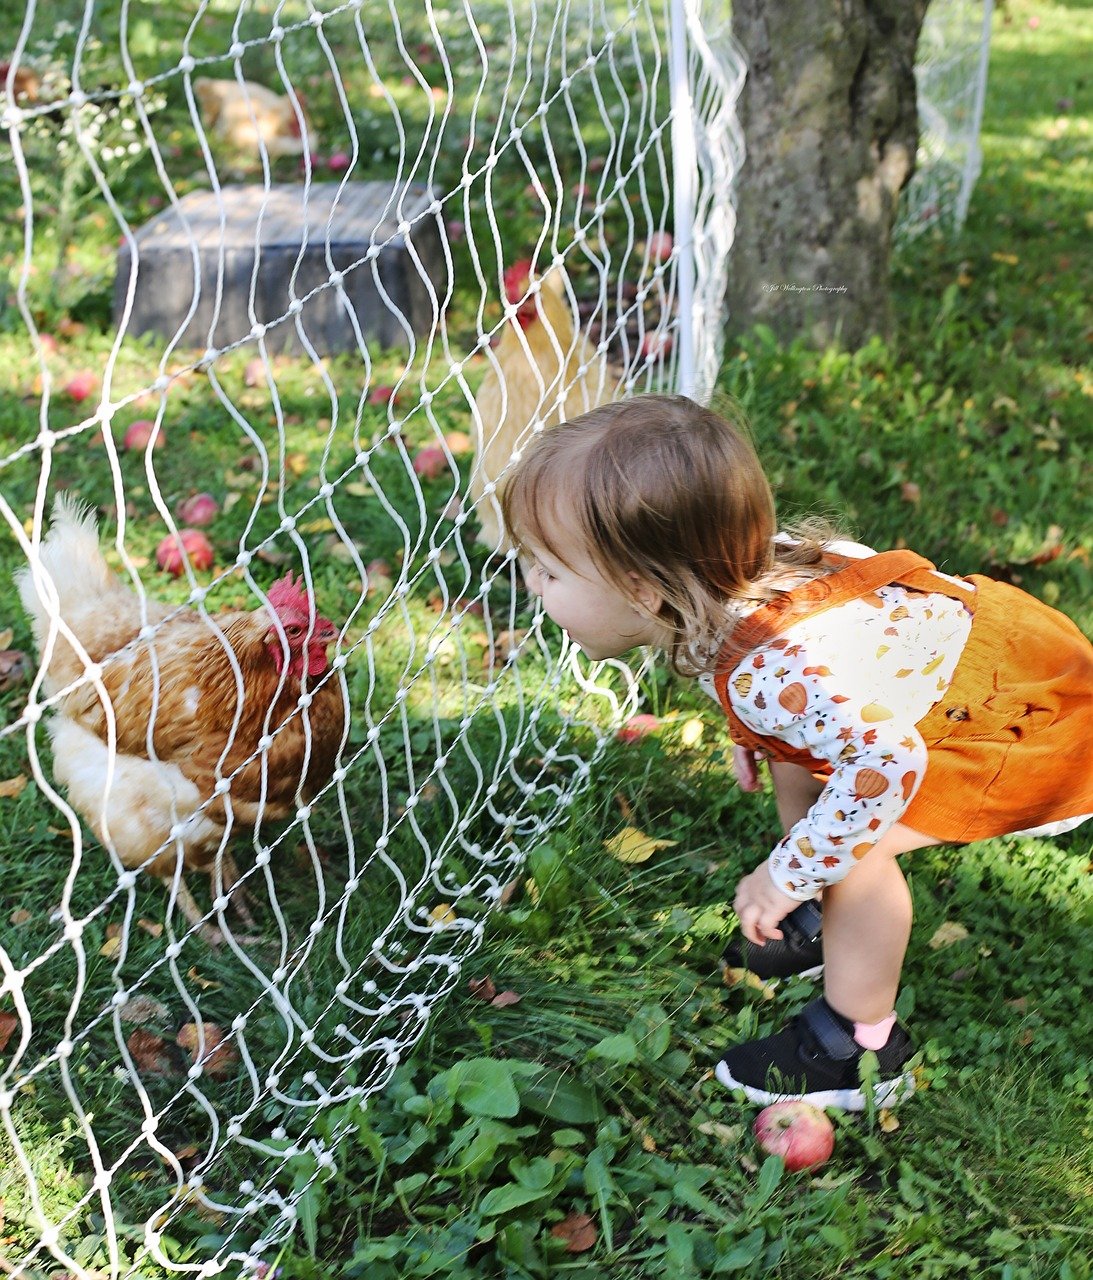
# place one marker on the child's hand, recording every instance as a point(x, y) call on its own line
point(745, 764)
point(759, 906)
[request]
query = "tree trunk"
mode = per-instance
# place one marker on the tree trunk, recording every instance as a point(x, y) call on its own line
point(831, 126)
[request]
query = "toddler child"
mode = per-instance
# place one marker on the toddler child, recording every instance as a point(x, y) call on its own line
point(898, 706)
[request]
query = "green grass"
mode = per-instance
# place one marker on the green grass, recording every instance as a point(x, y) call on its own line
point(967, 438)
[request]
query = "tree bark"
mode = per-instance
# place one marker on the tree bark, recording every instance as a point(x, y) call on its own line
point(831, 126)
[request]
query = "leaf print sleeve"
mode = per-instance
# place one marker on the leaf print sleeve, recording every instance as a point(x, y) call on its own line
point(875, 778)
point(877, 756)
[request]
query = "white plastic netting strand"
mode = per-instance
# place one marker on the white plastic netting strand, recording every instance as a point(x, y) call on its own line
point(362, 255)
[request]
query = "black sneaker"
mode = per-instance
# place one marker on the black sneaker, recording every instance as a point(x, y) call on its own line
point(816, 1059)
point(800, 951)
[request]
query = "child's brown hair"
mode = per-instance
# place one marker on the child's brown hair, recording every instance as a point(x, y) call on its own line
point(665, 489)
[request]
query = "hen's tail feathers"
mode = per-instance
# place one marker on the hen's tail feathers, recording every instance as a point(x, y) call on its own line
point(72, 562)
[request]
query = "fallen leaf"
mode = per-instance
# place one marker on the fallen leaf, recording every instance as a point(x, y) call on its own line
point(632, 845)
point(153, 1055)
point(140, 1009)
point(508, 892)
point(888, 1122)
point(12, 787)
point(111, 946)
point(734, 977)
point(948, 933)
point(578, 1231)
point(505, 998)
point(441, 915)
point(691, 733)
point(8, 1023)
point(625, 807)
point(219, 1055)
point(910, 492)
point(727, 1134)
point(19, 916)
point(6, 637)
point(14, 666)
point(483, 988)
point(206, 984)
point(150, 926)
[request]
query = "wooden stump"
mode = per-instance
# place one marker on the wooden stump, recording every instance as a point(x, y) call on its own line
point(296, 247)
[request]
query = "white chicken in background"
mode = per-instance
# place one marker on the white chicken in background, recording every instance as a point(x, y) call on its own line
point(242, 115)
point(542, 370)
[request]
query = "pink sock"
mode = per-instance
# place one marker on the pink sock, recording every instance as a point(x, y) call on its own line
point(874, 1035)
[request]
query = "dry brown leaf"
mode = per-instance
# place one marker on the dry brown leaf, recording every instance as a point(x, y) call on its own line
point(19, 916)
point(578, 1231)
point(632, 845)
point(441, 916)
point(648, 1142)
point(14, 667)
point(948, 933)
point(508, 892)
point(111, 946)
point(483, 988)
point(12, 787)
point(733, 977)
point(8, 1023)
point(219, 1055)
point(143, 1009)
point(727, 1134)
point(505, 998)
point(206, 984)
point(150, 926)
point(153, 1055)
point(888, 1122)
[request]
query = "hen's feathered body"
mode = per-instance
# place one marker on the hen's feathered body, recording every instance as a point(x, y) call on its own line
point(178, 715)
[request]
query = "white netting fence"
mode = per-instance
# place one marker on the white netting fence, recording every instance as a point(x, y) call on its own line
point(951, 80)
point(353, 249)
point(352, 204)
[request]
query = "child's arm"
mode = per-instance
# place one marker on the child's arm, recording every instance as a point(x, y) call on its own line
point(760, 905)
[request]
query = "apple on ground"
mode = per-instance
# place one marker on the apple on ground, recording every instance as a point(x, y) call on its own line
point(637, 727)
point(138, 433)
point(172, 552)
point(430, 462)
point(797, 1131)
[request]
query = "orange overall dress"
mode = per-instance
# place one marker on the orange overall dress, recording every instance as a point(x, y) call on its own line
point(1010, 743)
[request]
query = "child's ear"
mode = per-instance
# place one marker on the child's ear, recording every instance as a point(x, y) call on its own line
point(646, 595)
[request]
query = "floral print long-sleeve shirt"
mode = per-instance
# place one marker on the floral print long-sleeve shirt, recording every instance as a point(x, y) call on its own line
point(849, 685)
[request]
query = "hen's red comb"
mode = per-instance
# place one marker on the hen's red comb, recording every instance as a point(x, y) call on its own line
point(288, 593)
point(516, 280)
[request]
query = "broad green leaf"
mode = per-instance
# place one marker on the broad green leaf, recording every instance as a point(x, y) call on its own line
point(558, 1096)
point(620, 1049)
point(512, 1196)
point(484, 1087)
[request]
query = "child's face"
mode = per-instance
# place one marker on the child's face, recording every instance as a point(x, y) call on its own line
point(597, 615)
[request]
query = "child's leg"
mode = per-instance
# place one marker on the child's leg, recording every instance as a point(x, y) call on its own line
point(867, 923)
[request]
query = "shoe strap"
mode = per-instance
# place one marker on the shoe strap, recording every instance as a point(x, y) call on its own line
point(806, 921)
point(827, 1028)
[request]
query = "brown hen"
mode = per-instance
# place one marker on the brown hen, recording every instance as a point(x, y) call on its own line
point(176, 745)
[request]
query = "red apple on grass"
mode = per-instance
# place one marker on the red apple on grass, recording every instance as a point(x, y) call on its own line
point(138, 433)
point(172, 551)
point(430, 462)
point(637, 727)
point(797, 1131)
point(80, 385)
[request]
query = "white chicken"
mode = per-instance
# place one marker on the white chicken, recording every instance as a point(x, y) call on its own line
point(543, 369)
